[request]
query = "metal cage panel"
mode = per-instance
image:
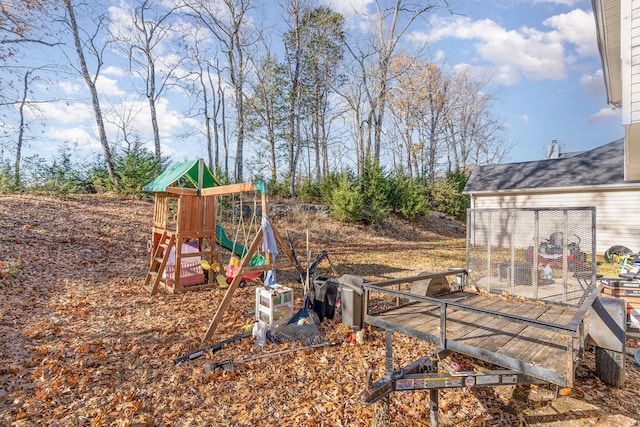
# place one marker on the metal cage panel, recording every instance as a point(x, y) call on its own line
point(544, 254)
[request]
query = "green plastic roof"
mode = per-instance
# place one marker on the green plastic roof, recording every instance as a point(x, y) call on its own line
point(187, 170)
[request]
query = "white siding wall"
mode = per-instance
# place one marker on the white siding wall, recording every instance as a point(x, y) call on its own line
point(634, 39)
point(617, 212)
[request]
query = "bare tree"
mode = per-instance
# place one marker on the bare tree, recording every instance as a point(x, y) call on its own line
point(88, 40)
point(388, 26)
point(294, 49)
point(323, 50)
point(21, 128)
point(227, 22)
point(473, 134)
point(150, 30)
point(267, 106)
point(200, 83)
point(21, 23)
point(355, 95)
point(122, 116)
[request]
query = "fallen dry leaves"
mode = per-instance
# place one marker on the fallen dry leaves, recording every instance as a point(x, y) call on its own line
point(84, 344)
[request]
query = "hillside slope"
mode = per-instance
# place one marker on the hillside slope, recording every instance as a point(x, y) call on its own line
point(84, 344)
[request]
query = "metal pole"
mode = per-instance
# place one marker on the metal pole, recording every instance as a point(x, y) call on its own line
point(433, 394)
point(489, 239)
point(512, 213)
point(433, 407)
point(565, 255)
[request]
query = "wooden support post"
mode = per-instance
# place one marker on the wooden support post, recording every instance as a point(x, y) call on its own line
point(226, 301)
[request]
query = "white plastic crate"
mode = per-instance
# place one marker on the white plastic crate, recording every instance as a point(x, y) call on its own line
point(274, 304)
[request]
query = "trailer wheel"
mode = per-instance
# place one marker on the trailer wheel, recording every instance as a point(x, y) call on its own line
point(610, 366)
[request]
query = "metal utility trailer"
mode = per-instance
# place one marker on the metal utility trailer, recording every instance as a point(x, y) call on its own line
point(530, 339)
point(532, 342)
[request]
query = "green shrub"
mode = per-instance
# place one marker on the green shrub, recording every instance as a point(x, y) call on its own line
point(7, 178)
point(447, 195)
point(63, 176)
point(376, 190)
point(309, 191)
point(99, 180)
point(278, 189)
point(408, 198)
point(346, 202)
point(135, 168)
point(330, 183)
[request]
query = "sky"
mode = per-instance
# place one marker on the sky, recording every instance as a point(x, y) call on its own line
point(541, 56)
point(544, 59)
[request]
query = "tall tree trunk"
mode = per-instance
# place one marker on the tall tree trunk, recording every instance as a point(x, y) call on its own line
point(207, 118)
point(238, 83)
point(294, 103)
point(23, 101)
point(95, 101)
point(225, 138)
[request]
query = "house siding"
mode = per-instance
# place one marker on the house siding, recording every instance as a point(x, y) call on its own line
point(630, 58)
point(634, 43)
point(616, 211)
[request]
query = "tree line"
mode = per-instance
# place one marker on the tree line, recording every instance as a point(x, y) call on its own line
point(297, 103)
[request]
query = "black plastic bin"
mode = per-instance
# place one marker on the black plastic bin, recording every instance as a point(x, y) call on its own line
point(325, 293)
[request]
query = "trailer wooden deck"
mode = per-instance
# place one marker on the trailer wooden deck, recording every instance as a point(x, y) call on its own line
point(541, 340)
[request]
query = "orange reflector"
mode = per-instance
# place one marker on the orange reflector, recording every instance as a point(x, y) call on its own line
point(565, 391)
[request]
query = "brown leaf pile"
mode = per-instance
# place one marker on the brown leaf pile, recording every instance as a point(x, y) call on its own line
point(82, 343)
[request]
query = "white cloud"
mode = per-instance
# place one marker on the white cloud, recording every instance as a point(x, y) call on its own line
point(348, 8)
point(64, 113)
point(605, 114)
point(69, 88)
point(593, 84)
point(560, 2)
point(523, 118)
point(578, 28)
point(114, 71)
point(109, 87)
point(527, 51)
point(121, 22)
point(75, 135)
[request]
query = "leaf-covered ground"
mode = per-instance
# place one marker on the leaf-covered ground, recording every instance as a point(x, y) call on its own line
point(82, 342)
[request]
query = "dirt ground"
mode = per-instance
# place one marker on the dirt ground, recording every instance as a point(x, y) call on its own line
point(83, 343)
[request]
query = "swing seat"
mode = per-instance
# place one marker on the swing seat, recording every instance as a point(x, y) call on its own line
point(215, 267)
point(256, 260)
point(206, 266)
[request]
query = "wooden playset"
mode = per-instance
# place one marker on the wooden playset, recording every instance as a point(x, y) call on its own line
point(187, 235)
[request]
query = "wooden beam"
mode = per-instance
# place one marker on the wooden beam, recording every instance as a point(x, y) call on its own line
point(265, 267)
point(284, 245)
point(245, 268)
point(182, 191)
point(226, 301)
point(228, 189)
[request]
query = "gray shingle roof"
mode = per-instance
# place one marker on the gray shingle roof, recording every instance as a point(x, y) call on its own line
point(601, 166)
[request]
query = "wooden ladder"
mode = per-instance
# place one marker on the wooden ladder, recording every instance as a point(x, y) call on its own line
point(159, 261)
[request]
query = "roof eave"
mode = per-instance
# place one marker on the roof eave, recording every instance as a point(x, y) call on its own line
point(547, 190)
point(607, 16)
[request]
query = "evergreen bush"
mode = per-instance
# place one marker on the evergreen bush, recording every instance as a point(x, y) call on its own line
point(408, 198)
point(346, 203)
point(447, 195)
point(376, 190)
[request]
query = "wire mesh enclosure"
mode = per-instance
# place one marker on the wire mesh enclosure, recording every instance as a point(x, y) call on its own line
point(542, 254)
